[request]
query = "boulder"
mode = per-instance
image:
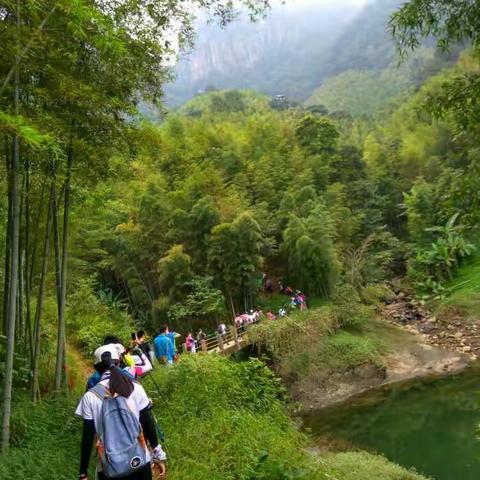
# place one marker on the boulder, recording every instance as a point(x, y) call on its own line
point(428, 327)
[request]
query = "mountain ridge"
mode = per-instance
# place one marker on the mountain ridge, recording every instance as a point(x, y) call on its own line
point(291, 52)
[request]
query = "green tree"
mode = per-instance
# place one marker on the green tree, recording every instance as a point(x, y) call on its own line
point(72, 76)
point(449, 24)
point(308, 244)
point(234, 257)
point(317, 134)
point(175, 271)
point(202, 306)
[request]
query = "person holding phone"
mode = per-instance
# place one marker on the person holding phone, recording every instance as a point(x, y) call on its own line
point(144, 345)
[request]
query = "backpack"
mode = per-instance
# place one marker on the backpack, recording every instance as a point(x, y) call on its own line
point(121, 445)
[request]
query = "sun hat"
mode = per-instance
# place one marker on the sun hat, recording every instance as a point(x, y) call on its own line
point(115, 349)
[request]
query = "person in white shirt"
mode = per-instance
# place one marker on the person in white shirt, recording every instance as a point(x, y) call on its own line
point(222, 329)
point(90, 408)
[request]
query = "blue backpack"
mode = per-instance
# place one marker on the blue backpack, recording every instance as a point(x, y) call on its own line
point(121, 445)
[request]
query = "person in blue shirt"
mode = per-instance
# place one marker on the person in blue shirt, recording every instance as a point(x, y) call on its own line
point(163, 347)
point(173, 336)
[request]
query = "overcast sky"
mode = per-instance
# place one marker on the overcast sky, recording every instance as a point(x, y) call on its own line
point(326, 2)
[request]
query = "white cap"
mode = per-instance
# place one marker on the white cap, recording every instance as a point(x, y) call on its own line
point(115, 349)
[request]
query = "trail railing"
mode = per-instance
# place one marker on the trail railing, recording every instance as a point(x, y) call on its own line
point(231, 341)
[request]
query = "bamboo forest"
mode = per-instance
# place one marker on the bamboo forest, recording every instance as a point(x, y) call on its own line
point(238, 239)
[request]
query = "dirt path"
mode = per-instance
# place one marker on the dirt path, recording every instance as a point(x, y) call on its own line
point(78, 369)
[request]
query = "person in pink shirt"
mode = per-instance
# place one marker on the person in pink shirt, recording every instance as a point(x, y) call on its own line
point(190, 343)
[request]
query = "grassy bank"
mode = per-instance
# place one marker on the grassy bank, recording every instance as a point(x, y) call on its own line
point(223, 421)
point(462, 294)
point(308, 347)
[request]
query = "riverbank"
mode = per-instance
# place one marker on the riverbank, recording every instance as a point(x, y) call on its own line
point(343, 348)
point(406, 357)
point(428, 424)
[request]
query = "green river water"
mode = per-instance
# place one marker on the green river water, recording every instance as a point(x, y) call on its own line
point(430, 425)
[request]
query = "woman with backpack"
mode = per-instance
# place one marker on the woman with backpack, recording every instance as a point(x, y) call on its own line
point(117, 412)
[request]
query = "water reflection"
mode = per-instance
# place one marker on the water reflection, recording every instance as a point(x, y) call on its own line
point(430, 425)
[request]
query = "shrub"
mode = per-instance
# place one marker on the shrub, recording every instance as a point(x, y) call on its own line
point(90, 319)
point(224, 420)
point(308, 346)
point(293, 333)
point(347, 350)
point(349, 310)
point(438, 263)
point(374, 294)
point(44, 438)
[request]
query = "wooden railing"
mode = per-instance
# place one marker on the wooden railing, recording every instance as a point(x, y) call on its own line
point(231, 341)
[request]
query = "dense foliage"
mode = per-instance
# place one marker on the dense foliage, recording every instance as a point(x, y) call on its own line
point(72, 76)
point(307, 348)
point(222, 420)
point(112, 222)
point(225, 189)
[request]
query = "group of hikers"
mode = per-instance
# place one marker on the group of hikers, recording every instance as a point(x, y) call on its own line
point(297, 298)
point(117, 412)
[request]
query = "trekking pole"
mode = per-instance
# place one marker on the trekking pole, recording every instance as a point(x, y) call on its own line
point(155, 383)
point(160, 433)
point(161, 395)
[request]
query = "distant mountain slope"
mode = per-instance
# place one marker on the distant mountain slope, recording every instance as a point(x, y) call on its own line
point(362, 92)
point(366, 43)
point(290, 53)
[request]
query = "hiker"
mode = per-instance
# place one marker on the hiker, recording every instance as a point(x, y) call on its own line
point(144, 345)
point(136, 362)
point(303, 301)
point(163, 347)
point(238, 322)
point(96, 375)
point(190, 343)
point(201, 335)
point(117, 412)
point(271, 315)
point(293, 302)
point(173, 336)
point(268, 286)
point(222, 329)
